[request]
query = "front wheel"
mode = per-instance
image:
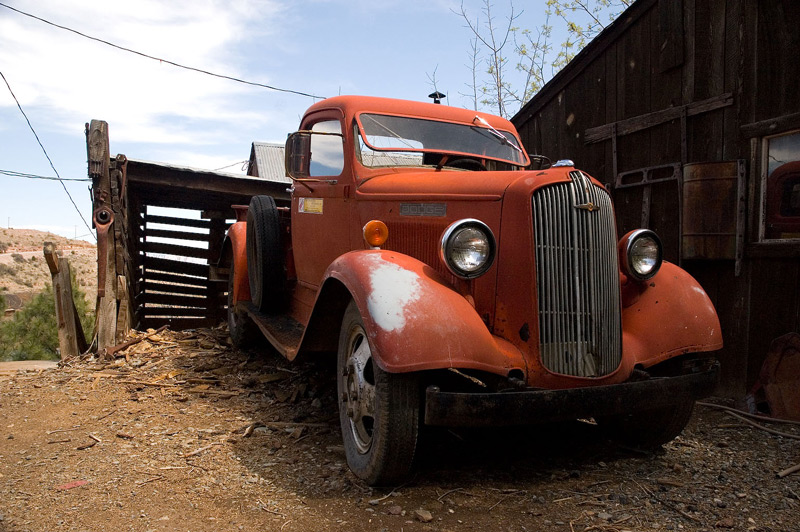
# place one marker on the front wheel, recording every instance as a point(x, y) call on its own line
point(242, 330)
point(378, 411)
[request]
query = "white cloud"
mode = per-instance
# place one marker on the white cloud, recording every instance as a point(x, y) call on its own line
point(74, 78)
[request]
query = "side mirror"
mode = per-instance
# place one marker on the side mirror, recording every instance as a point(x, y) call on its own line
point(298, 155)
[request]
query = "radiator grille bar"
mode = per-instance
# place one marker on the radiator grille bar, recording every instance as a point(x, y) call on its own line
point(577, 278)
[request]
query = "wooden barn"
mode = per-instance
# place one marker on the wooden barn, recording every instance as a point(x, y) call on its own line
point(689, 111)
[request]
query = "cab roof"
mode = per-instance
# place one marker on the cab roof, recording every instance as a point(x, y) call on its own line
point(352, 105)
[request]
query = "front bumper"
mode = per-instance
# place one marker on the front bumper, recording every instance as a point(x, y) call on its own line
point(456, 409)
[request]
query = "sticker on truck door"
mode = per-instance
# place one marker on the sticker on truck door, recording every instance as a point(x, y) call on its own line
point(310, 205)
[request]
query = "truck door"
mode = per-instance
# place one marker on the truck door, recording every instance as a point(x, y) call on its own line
point(320, 210)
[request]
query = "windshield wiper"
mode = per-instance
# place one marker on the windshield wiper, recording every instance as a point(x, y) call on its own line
point(505, 140)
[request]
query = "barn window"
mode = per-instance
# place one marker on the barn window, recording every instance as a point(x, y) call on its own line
point(782, 190)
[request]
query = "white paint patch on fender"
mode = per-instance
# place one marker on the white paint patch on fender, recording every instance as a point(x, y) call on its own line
point(392, 290)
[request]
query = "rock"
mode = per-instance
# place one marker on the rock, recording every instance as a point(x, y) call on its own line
point(728, 522)
point(604, 515)
point(394, 510)
point(423, 515)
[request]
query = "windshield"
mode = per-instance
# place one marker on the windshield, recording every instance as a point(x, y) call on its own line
point(402, 141)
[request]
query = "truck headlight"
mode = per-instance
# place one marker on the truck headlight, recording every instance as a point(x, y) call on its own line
point(468, 248)
point(640, 254)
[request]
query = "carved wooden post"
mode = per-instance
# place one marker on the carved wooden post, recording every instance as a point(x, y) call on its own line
point(99, 170)
point(71, 339)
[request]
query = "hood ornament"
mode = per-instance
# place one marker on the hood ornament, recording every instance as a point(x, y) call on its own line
point(591, 207)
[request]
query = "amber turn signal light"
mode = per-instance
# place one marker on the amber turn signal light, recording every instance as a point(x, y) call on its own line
point(376, 233)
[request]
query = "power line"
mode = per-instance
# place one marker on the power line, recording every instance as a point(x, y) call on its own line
point(232, 164)
point(45, 153)
point(194, 69)
point(35, 176)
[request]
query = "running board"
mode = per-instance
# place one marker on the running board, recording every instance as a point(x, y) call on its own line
point(282, 331)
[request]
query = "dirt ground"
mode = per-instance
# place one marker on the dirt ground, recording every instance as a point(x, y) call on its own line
point(181, 432)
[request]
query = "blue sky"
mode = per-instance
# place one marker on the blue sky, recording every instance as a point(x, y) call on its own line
point(161, 113)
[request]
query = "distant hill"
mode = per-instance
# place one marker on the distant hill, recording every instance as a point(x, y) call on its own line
point(23, 271)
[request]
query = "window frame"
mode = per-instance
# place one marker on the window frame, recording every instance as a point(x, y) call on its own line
point(763, 159)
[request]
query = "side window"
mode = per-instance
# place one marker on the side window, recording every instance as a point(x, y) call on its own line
point(327, 151)
point(782, 195)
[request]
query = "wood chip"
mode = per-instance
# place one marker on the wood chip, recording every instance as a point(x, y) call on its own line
point(142, 383)
point(201, 449)
point(788, 471)
point(87, 446)
point(73, 484)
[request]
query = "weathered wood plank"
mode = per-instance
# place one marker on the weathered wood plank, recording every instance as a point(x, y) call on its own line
point(771, 125)
point(178, 324)
point(123, 313)
point(669, 38)
point(151, 312)
point(71, 339)
point(177, 235)
point(173, 220)
point(773, 250)
point(688, 69)
point(175, 266)
point(174, 249)
point(641, 122)
point(180, 279)
point(191, 180)
point(171, 299)
point(168, 288)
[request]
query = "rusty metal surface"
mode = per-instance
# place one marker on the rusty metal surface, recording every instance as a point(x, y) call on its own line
point(536, 406)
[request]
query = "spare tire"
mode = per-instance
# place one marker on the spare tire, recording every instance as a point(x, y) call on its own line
point(265, 264)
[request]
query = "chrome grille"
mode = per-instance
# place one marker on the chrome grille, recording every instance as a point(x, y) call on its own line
point(577, 278)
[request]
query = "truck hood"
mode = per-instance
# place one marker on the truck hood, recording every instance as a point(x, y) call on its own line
point(442, 184)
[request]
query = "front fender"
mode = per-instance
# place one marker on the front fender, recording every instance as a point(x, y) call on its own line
point(671, 316)
point(415, 320)
point(237, 236)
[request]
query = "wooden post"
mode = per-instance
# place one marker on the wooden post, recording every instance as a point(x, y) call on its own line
point(100, 172)
point(71, 339)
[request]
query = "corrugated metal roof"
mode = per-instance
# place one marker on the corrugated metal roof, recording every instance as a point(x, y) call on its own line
point(269, 162)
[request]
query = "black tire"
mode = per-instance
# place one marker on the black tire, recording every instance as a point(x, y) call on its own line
point(242, 330)
point(648, 429)
point(265, 265)
point(379, 433)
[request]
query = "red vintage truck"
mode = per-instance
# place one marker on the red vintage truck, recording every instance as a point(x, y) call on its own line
point(459, 286)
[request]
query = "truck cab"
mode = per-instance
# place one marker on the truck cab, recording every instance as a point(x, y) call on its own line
point(459, 286)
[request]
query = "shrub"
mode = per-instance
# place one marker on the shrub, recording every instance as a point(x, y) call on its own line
point(3, 247)
point(32, 334)
point(5, 269)
point(17, 257)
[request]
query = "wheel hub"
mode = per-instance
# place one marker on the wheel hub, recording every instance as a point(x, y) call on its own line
point(359, 390)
